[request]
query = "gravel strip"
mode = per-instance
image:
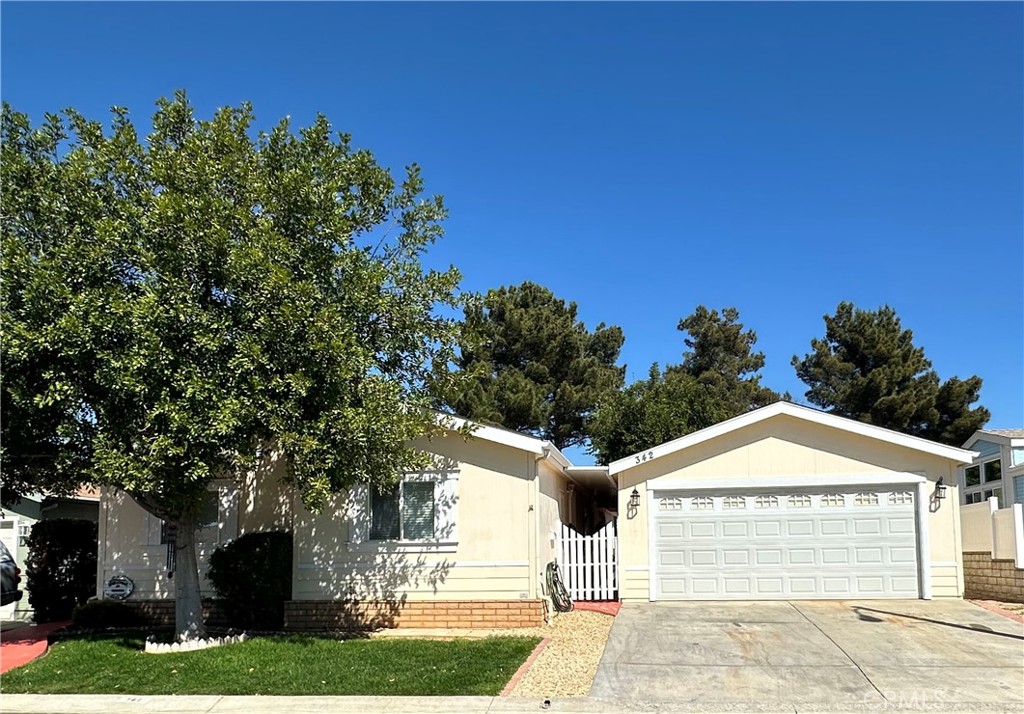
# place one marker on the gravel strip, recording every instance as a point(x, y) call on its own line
point(567, 666)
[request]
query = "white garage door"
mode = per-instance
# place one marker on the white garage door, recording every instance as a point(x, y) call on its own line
point(785, 545)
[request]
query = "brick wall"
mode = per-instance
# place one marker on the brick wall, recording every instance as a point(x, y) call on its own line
point(160, 613)
point(989, 579)
point(310, 615)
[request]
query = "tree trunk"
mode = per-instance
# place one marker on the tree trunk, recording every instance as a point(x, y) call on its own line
point(188, 604)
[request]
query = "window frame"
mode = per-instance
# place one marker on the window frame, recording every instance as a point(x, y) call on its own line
point(404, 479)
point(446, 497)
point(982, 486)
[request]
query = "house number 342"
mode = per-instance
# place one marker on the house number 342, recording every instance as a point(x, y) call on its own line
point(640, 458)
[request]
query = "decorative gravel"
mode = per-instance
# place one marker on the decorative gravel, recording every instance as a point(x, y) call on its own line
point(566, 667)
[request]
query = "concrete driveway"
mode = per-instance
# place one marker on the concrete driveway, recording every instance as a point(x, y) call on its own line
point(830, 655)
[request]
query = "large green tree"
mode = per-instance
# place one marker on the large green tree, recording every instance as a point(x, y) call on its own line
point(721, 356)
point(868, 368)
point(533, 366)
point(173, 304)
point(666, 405)
point(717, 379)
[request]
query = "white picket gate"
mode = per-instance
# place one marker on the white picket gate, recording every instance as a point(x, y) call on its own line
point(589, 564)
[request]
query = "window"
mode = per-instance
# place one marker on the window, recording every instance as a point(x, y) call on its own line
point(972, 476)
point(800, 501)
point(974, 497)
point(406, 512)
point(833, 500)
point(766, 502)
point(702, 503)
point(1017, 456)
point(670, 504)
point(734, 502)
point(901, 498)
point(996, 493)
point(866, 499)
point(420, 508)
point(993, 471)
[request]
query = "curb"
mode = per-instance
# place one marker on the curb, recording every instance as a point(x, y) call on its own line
point(525, 667)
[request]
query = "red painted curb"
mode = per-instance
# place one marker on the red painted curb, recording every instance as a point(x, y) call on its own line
point(992, 607)
point(21, 646)
point(524, 667)
point(607, 608)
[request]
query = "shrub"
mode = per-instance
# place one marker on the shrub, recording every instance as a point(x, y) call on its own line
point(60, 567)
point(101, 614)
point(253, 576)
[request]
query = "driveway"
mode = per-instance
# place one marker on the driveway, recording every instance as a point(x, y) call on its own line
point(827, 654)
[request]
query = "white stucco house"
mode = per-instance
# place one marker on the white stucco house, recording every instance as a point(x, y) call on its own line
point(783, 502)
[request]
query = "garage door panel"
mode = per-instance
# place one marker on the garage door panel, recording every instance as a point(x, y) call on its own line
point(702, 530)
point(787, 545)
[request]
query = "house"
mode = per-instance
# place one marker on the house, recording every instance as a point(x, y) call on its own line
point(17, 519)
point(997, 471)
point(784, 502)
point(992, 515)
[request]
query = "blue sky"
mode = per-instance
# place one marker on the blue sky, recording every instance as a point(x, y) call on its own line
point(639, 159)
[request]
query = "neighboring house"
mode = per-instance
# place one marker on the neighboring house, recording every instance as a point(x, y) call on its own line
point(16, 521)
point(998, 469)
point(783, 502)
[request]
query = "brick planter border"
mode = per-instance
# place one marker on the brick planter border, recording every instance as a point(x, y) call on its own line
point(313, 615)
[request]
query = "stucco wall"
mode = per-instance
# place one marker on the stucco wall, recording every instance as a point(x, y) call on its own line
point(495, 516)
point(786, 446)
point(497, 509)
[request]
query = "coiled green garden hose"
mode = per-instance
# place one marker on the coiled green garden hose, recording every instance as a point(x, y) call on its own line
point(560, 597)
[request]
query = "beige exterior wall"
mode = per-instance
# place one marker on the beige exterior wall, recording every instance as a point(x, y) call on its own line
point(493, 558)
point(504, 515)
point(787, 446)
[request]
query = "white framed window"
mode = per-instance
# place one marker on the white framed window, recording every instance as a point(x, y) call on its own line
point(419, 510)
point(673, 503)
point(766, 501)
point(982, 481)
point(702, 503)
point(833, 500)
point(865, 499)
point(800, 501)
point(901, 498)
point(734, 502)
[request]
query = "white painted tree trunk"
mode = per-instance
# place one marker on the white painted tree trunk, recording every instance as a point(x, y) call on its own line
point(188, 604)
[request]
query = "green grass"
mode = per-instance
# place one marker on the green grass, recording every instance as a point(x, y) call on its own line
point(278, 665)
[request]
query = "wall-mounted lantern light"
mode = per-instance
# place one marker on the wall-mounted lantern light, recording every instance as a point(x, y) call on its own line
point(634, 499)
point(940, 489)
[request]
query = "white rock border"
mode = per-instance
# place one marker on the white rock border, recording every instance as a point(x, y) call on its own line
point(193, 645)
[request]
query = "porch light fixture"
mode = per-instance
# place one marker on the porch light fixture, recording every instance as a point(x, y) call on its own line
point(634, 499)
point(940, 489)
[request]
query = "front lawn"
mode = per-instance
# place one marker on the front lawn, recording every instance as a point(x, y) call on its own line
point(279, 665)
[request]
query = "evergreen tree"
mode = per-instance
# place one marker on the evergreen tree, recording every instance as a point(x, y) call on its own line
point(649, 412)
point(721, 356)
point(868, 368)
point(532, 366)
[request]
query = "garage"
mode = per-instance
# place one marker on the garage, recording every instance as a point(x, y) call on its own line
point(790, 503)
point(786, 544)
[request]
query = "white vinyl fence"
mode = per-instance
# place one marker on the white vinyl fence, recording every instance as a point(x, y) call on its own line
point(589, 564)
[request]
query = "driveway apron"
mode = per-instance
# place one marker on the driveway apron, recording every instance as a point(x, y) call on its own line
point(833, 654)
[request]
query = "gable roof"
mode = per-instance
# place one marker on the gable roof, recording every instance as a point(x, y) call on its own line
point(505, 437)
point(1013, 437)
point(797, 412)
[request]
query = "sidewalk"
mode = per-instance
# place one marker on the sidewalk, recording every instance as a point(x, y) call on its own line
point(127, 704)
point(23, 644)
